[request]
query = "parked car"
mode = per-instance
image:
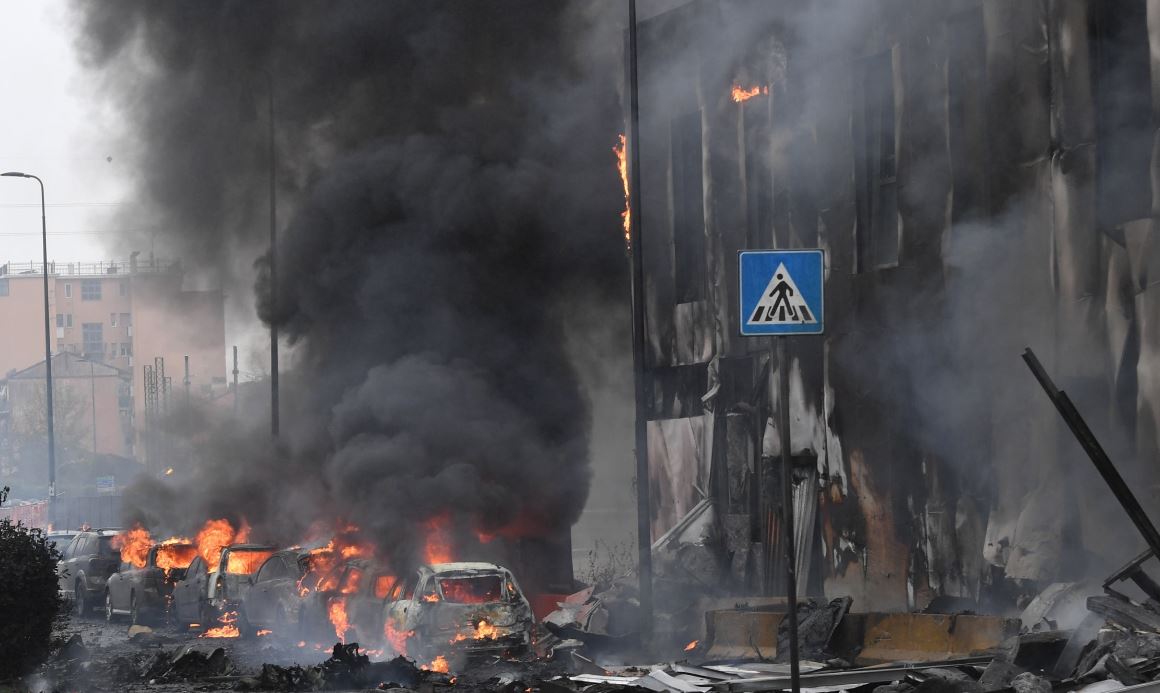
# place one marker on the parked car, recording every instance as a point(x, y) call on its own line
point(463, 609)
point(207, 592)
point(85, 566)
point(61, 539)
point(144, 594)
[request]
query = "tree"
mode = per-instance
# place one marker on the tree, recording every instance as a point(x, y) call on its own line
point(28, 468)
point(29, 600)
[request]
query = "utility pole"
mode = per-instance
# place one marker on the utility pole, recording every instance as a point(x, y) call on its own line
point(93, 403)
point(274, 423)
point(636, 255)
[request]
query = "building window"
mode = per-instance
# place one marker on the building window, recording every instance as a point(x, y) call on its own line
point(3, 287)
point(112, 319)
point(875, 164)
point(67, 290)
point(688, 208)
point(126, 348)
point(967, 116)
point(68, 320)
point(93, 337)
point(60, 319)
point(126, 321)
point(90, 289)
point(1121, 80)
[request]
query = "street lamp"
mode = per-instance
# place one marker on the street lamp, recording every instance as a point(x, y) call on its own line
point(47, 349)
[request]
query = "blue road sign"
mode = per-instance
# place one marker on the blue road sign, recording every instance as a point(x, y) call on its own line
point(781, 292)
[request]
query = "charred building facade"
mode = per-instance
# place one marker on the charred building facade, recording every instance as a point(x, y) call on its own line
point(983, 177)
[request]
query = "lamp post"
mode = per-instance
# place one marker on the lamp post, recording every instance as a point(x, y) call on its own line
point(47, 349)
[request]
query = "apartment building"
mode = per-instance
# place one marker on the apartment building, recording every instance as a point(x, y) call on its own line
point(125, 315)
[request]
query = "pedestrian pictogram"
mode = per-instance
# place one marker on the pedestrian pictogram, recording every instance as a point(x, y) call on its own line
point(782, 303)
point(781, 292)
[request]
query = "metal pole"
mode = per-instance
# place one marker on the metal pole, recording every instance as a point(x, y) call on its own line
point(274, 423)
point(93, 403)
point(186, 381)
point(235, 380)
point(787, 512)
point(643, 510)
point(1087, 440)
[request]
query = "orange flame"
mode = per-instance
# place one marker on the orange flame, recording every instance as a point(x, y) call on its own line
point(483, 631)
point(438, 549)
point(692, 646)
point(621, 153)
point(431, 598)
point(246, 562)
point(397, 639)
point(227, 629)
point(438, 664)
point(175, 553)
point(336, 610)
point(213, 537)
point(353, 578)
point(740, 95)
point(383, 585)
point(134, 545)
point(263, 632)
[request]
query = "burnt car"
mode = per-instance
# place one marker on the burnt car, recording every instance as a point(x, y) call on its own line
point(85, 566)
point(277, 593)
point(209, 591)
point(144, 594)
point(461, 609)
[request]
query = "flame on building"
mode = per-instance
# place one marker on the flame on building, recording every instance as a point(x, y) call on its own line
point(621, 152)
point(741, 94)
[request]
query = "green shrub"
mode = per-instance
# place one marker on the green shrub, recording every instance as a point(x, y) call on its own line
point(29, 601)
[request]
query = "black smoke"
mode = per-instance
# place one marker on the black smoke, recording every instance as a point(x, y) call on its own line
point(449, 197)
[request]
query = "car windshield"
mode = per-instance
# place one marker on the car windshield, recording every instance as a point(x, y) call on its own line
point(106, 549)
point(246, 561)
point(477, 589)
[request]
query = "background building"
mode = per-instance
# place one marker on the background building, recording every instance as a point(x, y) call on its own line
point(982, 176)
point(124, 317)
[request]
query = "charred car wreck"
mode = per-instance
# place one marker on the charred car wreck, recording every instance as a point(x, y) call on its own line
point(144, 594)
point(461, 608)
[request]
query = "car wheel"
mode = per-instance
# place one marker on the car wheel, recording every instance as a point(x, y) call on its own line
point(109, 617)
point(81, 599)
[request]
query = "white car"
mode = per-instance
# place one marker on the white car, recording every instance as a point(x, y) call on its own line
point(461, 609)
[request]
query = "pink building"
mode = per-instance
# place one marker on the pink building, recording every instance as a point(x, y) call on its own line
point(124, 315)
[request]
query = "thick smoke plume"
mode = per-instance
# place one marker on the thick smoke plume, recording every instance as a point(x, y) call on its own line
point(445, 176)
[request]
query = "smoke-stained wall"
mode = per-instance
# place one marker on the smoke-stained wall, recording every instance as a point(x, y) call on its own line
point(972, 170)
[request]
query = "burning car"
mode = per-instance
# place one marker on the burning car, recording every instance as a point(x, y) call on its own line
point(460, 609)
point(142, 590)
point(209, 591)
point(277, 595)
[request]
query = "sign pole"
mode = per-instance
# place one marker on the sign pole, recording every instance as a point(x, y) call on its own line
point(781, 294)
point(787, 512)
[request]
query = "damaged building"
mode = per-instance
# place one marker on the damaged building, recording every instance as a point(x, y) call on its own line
point(982, 177)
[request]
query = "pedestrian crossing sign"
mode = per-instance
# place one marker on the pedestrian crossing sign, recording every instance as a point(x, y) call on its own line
point(781, 292)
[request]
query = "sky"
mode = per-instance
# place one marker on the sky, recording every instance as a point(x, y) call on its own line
point(51, 126)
